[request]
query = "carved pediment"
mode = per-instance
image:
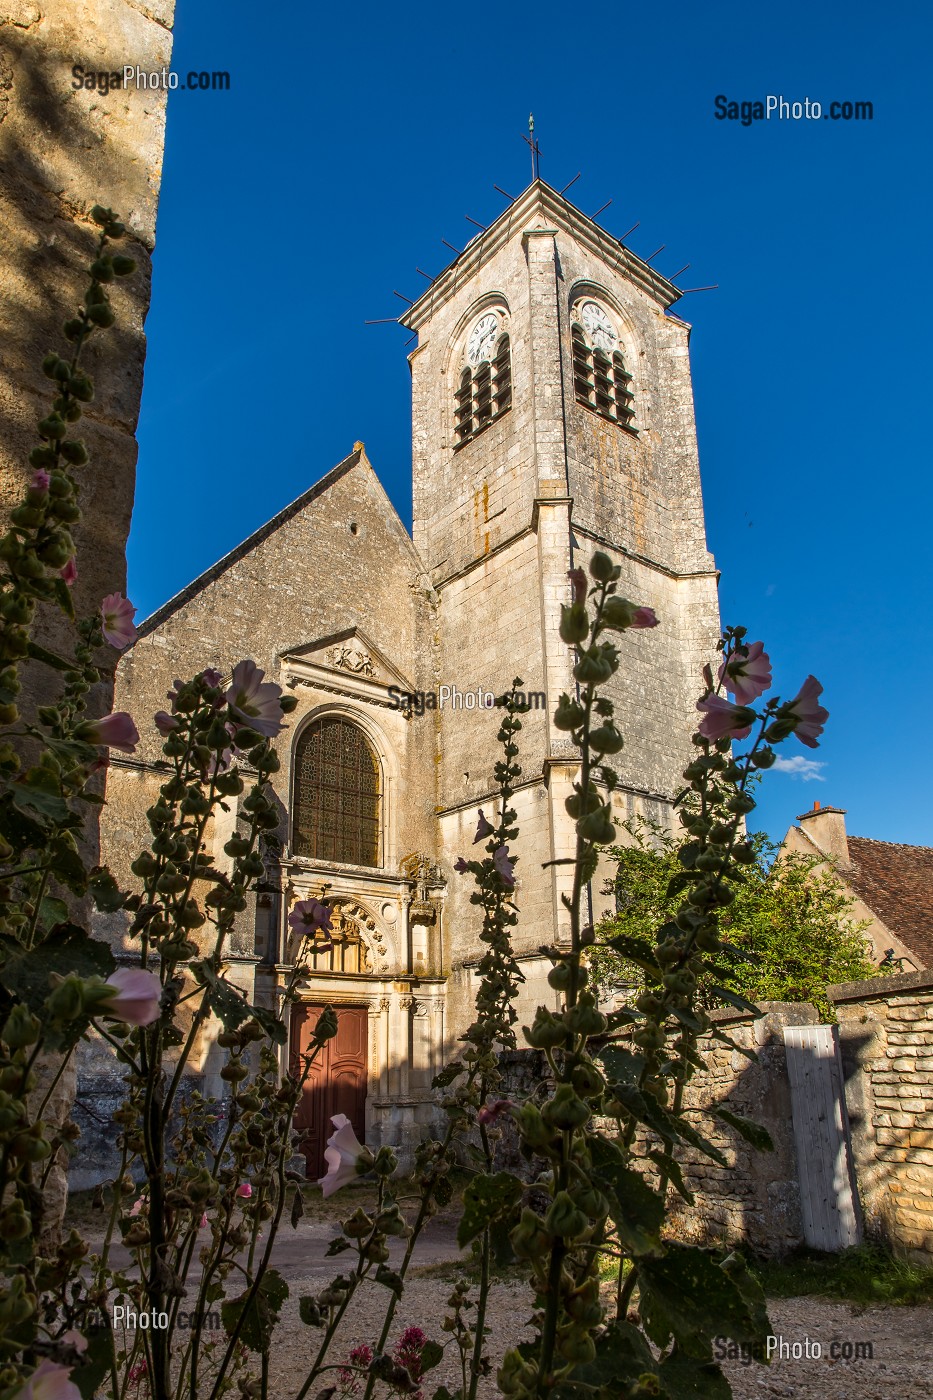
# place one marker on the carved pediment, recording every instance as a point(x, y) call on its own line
point(349, 654)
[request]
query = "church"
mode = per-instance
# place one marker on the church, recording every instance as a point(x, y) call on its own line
point(552, 414)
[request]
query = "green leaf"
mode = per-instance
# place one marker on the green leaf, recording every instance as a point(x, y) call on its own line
point(390, 1279)
point(310, 1313)
point(486, 1199)
point(95, 1362)
point(688, 1133)
point(636, 1210)
point(106, 893)
point(337, 1246)
point(668, 1164)
point(260, 1313)
point(622, 1356)
point(46, 807)
point(49, 658)
point(232, 1008)
point(26, 973)
point(447, 1075)
point(688, 1296)
point(431, 1354)
point(734, 999)
point(52, 911)
point(621, 1066)
point(684, 1378)
point(637, 950)
point(752, 1132)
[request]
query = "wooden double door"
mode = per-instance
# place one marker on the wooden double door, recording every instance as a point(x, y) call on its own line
point(336, 1082)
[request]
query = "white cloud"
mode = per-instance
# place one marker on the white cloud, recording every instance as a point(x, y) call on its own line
point(799, 767)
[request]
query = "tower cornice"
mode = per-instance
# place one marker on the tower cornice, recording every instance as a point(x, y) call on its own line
point(539, 202)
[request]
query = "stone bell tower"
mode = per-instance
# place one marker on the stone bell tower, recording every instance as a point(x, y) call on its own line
point(553, 415)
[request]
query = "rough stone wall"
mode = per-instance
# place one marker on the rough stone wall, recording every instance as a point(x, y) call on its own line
point(886, 1039)
point(755, 1199)
point(62, 151)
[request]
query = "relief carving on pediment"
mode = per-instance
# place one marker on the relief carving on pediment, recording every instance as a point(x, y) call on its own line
point(353, 659)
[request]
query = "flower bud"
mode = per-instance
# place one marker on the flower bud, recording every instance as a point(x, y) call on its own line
point(568, 715)
point(565, 1110)
point(21, 1029)
point(606, 739)
point(66, 1002)
point(546, 1032)
point(564, 1219)
point(602, 568)
point(574, 623)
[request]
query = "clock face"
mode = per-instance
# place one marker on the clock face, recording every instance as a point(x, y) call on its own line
point(482, 338)
point(599, 327)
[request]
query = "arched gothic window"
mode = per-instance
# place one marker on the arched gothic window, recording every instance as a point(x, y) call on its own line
point(337, 794)
point(600, 379)
point(484, 388)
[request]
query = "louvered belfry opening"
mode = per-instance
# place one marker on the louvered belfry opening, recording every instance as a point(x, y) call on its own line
point(337, 795)
point(601, 382)
point(484, 394)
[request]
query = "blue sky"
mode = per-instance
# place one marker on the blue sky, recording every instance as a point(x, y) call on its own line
point(354, 138)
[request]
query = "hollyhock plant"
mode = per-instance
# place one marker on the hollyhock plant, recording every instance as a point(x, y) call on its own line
point(253, 701)
point(76, 1339)
point(461, 866)
point(723, 720)
point(747, 673)
point(49, 1382)
point(483, 829)
point(116, 731)
point(490, 1112)
point(309, 916)
point(505, 866)
point(245, 1190)
point(69, 574)
point(117, 615)
point(808, 714)
point(345, 1155)
point(40, 480)
point(134, 996)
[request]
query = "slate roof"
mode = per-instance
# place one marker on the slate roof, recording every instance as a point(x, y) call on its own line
point(896, 882)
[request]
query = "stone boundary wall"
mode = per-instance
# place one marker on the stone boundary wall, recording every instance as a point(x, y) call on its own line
point(755, 1199)
point(886, 1039)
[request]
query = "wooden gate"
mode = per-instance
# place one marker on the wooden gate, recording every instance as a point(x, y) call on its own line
point(336, 1082)
point(828, 1196)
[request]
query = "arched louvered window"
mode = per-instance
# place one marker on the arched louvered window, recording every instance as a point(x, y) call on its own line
point(484, 390)
point(337, 794)
point(600, 379)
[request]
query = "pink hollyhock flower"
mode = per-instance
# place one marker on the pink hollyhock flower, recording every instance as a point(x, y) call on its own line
point(809, 714)
point(461, 866)
point(40, 480)
point(137, 1206)
point(644, 617)
point(69, 574)
point(345, 1155)
point(202, 1223)
point(245, 1190)
point(74, 1338)
point(135, 996)
point(578, 584)
point(116, 731)
point(211, 677)
point(747, 676)
point(255, 703)
point(117, 615)
point(49, 1382)
point(504, 866)
point(491, 1111)
point(723, 720)
point(165, 723)
point(309, 915)
point(483, 829)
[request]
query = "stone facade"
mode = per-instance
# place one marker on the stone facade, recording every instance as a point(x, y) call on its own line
point(886, 1037)
point(338, 604)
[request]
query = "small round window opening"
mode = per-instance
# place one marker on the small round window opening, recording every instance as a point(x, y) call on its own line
point(600, 379)
point(484, 384)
